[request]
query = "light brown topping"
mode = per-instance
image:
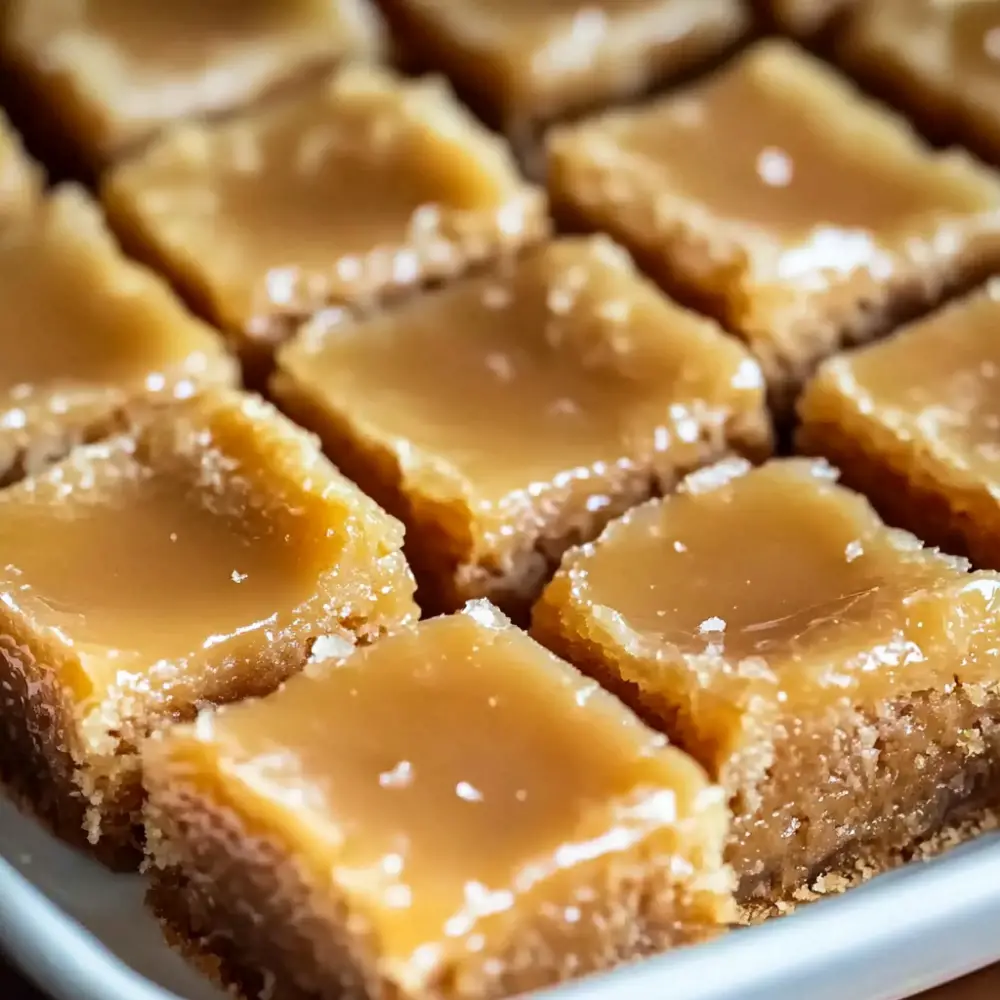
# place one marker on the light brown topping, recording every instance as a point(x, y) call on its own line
point(147, 566)
point(936, 386)
point(85, 331)
point(555, 371)
point(364, 184)
point(814, 181)
point(135, 65)
point(157, 561)
point(776, 577)
point(78, 313)
point(446, 778)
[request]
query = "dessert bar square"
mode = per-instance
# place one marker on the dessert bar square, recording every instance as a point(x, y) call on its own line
point(195, 560)
point(838, 679)
point(106, 75)
point(20, 178)
point(914, 422)
point(774, 196)
point(452, 811)
point(939, 62)
point(511, 415)
point(524, 61)
point(86, 335)
point(365, 186)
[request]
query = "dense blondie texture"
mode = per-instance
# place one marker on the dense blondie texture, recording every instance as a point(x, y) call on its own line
point(100, 77)
point(452, 813)
point(523, 62)
point(914, 422)
point(197, 560)
point(839, 680)
point(363, 188)
point(938, 62)
point(513, 415)
point(819, 222)
point(87, 337)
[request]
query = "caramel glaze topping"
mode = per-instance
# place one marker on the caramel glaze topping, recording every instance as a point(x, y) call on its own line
point(158, 561)
point(553, 372)
point(813, 182)
point(78, 315)
point(777, 580)
point(446, 777)
point(126, 558)
point(937, 384)
point(143, 63)
point(316, 200)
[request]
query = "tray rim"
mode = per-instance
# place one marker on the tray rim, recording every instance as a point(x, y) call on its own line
point(900, 934)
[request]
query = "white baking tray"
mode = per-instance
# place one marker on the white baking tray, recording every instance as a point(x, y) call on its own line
point(82, 933)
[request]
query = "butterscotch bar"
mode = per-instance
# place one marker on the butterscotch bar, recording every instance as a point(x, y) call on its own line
point(451, 813)
point(20, 178)
point(914, 422)
point(800, 214)
point(86, 336)
point(525, 62)
point(106, 75)
point(938, 61)
point(364, 187)
point(197, 560)
point(511, 415)
point(835, 677)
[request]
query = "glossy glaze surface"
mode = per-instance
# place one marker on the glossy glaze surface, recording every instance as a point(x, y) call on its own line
point(935, 386)
point(162, 560)
point(461, 732)
point(553, 371)
point(776, 580)
point(316, 202)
